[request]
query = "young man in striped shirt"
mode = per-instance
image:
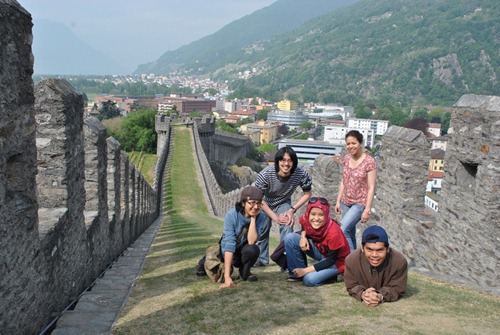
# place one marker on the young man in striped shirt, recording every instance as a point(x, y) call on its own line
point(278, 183)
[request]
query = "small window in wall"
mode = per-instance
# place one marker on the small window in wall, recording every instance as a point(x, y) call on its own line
point(466, 176)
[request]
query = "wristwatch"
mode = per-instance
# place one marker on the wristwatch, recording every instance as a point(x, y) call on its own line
point(294, 210)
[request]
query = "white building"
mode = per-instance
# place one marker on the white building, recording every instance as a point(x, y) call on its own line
point(336, 135)
point(292, 119)
point(379, 126)
point(432, 201)
point(328, 111)
point(439, 142)
point(434, 129)
point(231, 106)
point(307, 150)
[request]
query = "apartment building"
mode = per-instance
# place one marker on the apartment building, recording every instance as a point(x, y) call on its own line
point(378, 126)
point(307, 150)
point(434, 129)
point(439, 142)
point(437, 160)
point(287, 105)
point(292, 118)
point(330, 111)
point(335, 134)
point(260, 132)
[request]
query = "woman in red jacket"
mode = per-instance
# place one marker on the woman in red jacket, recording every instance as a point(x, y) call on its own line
point(322, 239)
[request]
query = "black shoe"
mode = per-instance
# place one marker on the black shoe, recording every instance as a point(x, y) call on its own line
point(201, 273)
point(291, 278)
point(252, 278)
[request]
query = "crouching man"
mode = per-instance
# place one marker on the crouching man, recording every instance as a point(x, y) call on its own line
point(375, 273)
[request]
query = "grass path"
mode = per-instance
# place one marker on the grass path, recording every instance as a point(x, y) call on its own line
point(170, 299)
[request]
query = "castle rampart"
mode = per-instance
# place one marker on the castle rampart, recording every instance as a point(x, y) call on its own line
point(70, 200)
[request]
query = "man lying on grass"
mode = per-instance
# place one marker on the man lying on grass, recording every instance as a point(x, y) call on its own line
point(375, 273)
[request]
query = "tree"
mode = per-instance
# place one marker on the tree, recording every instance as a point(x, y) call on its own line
point(224, 126)
point(266, 147)
point(283, 129)
point(194, 113)
point(108, 110)
point(363, 113)
point(421, 112)
point(137, 131)
point(262, 114)
point(306, 125)
point(445, 122)
point(85, 99)
point(418, 123)
point(246, 120)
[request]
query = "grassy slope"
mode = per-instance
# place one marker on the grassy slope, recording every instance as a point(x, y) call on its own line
point(146, 163)
point(170, 299)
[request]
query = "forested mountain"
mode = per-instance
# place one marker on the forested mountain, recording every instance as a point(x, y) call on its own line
point(407, 51)
point(226, 45)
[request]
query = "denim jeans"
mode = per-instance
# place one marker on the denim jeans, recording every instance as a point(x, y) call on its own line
point(350, 217)
point(263, 241)
point(296, 258)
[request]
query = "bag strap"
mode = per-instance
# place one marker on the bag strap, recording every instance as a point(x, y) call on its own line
point(243, 233)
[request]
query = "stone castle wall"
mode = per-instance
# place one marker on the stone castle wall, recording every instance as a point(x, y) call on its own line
point(461, 240)
point(70, 200)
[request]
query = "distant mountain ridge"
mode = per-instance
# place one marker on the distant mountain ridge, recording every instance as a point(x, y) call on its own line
point(214, 51)
point(65, 52)
point(408, 51)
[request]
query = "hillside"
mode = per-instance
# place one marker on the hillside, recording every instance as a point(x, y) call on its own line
point(226, 45)
point(407, 51)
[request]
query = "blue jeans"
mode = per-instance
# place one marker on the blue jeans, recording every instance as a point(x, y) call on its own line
point(296, 258)
point(263, 241)
point(350, 217)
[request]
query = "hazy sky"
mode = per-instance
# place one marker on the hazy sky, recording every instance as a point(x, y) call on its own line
point(134, 32)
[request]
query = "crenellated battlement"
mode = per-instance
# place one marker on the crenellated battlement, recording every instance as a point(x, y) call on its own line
point(70, 200)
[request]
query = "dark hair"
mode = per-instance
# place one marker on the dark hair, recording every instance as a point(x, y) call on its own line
point(240, 207)
point(281, 154)
point(356, 134)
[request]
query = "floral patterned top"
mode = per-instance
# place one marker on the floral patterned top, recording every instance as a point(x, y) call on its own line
point(356, 180)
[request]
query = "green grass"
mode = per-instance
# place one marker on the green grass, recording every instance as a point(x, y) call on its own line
point(146, 164)
point(170, 299)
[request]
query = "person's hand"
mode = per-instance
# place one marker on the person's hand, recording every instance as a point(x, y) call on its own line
point(371, 297)
point(286, 219)
point(290, 212)
point(365, 216)
point(337, 209)
point(283, 219)
point(304, 243)
point(228, 283)
point(299, 272)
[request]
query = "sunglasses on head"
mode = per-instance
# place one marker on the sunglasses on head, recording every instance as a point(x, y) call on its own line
point(322, 201)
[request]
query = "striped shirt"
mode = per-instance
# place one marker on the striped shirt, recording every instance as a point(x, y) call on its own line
point(278, 190)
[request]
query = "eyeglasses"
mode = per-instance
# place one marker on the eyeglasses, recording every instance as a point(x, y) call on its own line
point(254, 203)
point(289, 161)
point(322, 201)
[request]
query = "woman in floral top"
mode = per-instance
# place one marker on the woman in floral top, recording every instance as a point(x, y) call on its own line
point(357, 187)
